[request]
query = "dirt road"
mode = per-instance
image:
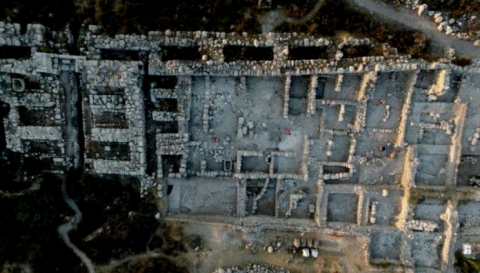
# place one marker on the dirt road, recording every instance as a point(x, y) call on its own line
point(274, 18)
point(402, 16)
point(422, 24)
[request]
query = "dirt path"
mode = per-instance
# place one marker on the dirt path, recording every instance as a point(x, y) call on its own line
point(274, 18)
point(422, 24)
point(307, 17)
point(65, 228)
point(138, 258)
point(71, 137)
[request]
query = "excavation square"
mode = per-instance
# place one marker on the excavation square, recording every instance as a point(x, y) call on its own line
point(349, 88)
point(288, 188)
point(299, 87)
point(338, 117)
point(224, 117)
point(353, 179)
point(180, 53)
point(425, 79)
point(372, 144)
point(331, 169)
point(167, 105)
point(468, 171)
point(330, 83)
point(120, 55)
point(361, 51)
point(432, 170)
point(342, 207)
point(285, 164)
point(193, 162)
point(167, 127)
point(247, 53)
point(435, 137)
point(383, 115)
point(468, 214)
point(382, 172)
point(384, 247)
point(297, 107)
point(430, 210)
point(171, 164)
point(426, 249)
point(254, 164)
point(266, 205)
point(36, 117)
point(256, 188)
point(203, 196)
point(108, 150)
point(321, 85)
point(110, 119)
point(42, 147)
point(165, 82)
point(340, 148)
point(213, 164)
point(307, 53)
point(387, 208)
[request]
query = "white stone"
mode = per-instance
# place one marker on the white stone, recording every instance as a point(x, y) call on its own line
point(314, 252)
point(448, 30)
point(422, 9)
point(338, 55)
point(466, 249)
point(296, 242)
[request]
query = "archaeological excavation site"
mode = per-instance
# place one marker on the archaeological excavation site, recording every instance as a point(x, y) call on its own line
point(283, 152)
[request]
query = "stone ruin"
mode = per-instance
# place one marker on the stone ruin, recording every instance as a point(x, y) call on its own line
point(233, 126)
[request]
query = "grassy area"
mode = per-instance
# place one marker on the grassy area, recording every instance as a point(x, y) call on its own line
point(29, 230)
point(53, 13)
point(135, 16)
point(112, 204)
point(141, 16)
